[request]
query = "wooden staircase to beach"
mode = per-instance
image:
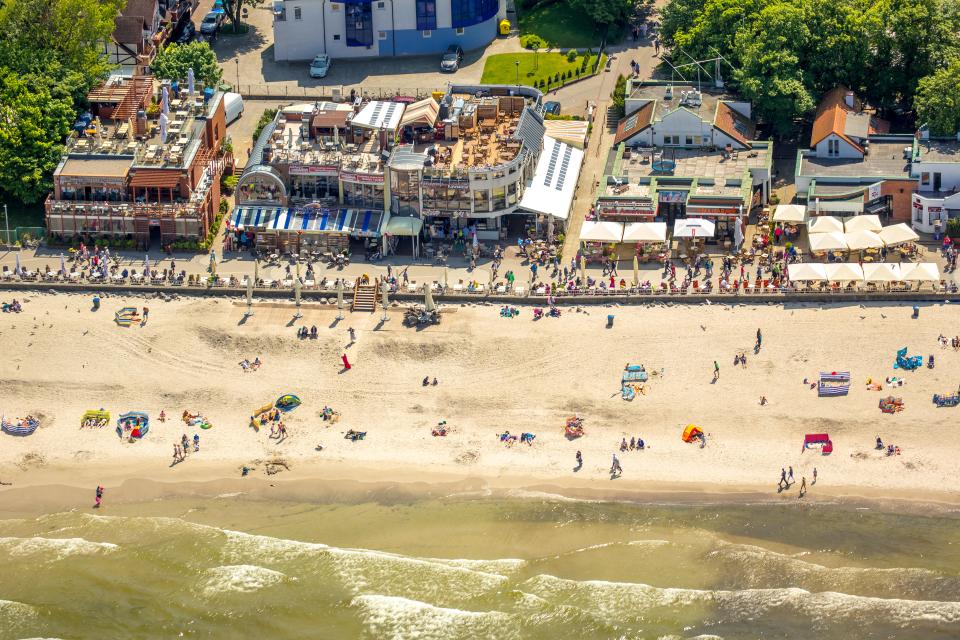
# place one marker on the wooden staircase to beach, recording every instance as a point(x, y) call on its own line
point(365, 297)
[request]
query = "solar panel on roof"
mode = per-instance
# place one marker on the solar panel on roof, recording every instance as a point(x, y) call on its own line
point(564, 165)
point(552, 165)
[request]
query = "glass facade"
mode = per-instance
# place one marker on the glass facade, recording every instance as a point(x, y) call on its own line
point(310, 187)
point(359, 23)
point(426, 15)
point(363, 195)
point(470, 12)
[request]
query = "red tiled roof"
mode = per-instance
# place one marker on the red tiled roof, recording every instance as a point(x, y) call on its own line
point(734, 124)
point(635, 122)
point(832, 118)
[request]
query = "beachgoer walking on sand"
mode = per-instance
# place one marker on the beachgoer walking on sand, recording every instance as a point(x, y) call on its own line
point(99, 497)
point(763, 401)
point(790, 474)
point(783, 478)
point(353, 335)
point(615, 468)
point(716, 370)
point(814, 476)
point(196, 442)
point(759, 340)
point(176, 454)
point(579, 459)
point(146, 315)
point(803, 486)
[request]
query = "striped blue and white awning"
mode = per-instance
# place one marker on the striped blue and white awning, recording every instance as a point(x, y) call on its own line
point(355, 222)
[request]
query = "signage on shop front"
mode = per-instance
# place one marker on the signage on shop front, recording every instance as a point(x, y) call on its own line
point(455, 213)
point(313, 170)
point(91, 181)
point(673, 196)
point(934, 209)
point(713, 211)
point(873, 191)
point(361, 177)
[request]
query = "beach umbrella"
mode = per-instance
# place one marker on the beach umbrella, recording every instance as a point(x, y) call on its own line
point(256, 272)
point(862, 223)
point(340, 299)
point(165, 101)
point(693, 228)
point(881, 272)
point(807, 271)
point(831, 241)
point(795, 213)
point(919, 271)
point(63, 265)
point(636, 271)
point(843, 271)
point(298, 269)
point(163, 128)
point(190, 81)
point(428, 304)
point(146, 265)
point(738, 233)
point(249, 294)
point(17, 269)
point(213, 264)
point(860, 240)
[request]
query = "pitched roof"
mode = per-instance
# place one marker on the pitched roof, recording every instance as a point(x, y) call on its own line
point(329, 119)
point(834, 116)
point(734, 124)
point(143, 8)
point(635, 122)
point(128, 29)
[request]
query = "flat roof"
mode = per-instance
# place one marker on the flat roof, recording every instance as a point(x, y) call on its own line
point(555, 180)
point(884, 159)
point(697, 163)
point(378, 114)
point(709, 98)
point(939, 150)
point(92, 168)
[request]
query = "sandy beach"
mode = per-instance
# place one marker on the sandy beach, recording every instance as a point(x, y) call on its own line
point(495, 374)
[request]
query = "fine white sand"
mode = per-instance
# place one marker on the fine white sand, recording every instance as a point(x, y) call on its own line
point(60, 359)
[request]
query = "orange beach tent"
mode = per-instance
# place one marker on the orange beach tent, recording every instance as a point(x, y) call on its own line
point(692, 431)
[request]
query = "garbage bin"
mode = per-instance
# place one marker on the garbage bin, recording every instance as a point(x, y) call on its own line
point(916, 311)
point(96, 303)
point(609, 321)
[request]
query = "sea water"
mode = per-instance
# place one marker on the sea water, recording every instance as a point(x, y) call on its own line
point(477, 567)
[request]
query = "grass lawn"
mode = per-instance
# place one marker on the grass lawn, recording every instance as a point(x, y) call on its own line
point(560, 26)
point(502, 68)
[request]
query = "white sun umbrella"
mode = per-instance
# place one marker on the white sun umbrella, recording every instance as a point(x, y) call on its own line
point(807, 271)
point(428, 304)
point(897, 234)
point(831, 241)
point(636, 271)
point(17, 269)
point(63, 265)
point(843, 271)
point(340, 299)
point(738, 233)
point(165, 101)
point(190, 81)
point(249, 294)
point(824, 224)
point(163, 128)
point(693, 228)
point(645, 232)
point(795, 213)
point(919, 271)
point(256, 272)
point(601, 231)
point(146, 265)
point(860, 240)
point(862, 223)
point(881, 272)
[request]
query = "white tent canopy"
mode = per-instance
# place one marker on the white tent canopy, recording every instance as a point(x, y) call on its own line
point(795, 213)
point(859, 240)
point(554, 181)
point(693, 228)
point(593, 231)
point(898, 234)
point(862, 223)
point(645, 232)
point(919, 271)
point(881, 272)
point(832, 241)
point(807, 271)
point(824, 224)
point(843, 271)
point(403, 226)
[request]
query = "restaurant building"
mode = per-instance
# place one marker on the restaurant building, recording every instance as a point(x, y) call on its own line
point(327, 173)
point(125, 175)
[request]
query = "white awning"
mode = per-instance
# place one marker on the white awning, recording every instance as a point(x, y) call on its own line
point(843, 271)
point(593, 231)
point(645, 232)
point(824, 224)
point(859, 240)
point(919, 271)
point(795, 213)
point(551, 190)
point(881, 272)
point(898, 234)
point(403, 226)
point(862, 223)
point(379, 115)
point(832, 241)
point(693, 228)
point(807, 271)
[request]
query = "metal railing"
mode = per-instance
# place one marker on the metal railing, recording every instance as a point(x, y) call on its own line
point(335, 93)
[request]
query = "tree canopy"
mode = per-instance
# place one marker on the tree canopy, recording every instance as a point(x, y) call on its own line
point(938, 100)
point(51, 54)
point(605, 11)
point(784, 54)
point(172, 63)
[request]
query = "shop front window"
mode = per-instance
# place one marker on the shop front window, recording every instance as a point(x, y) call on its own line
point(481, 200)
point(499, 198)
point(363, 196)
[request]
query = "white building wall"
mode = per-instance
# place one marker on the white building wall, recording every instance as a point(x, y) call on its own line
point(299, 39)
point(681, 123)
point(846, 150)
point(949, 174)
point(721, 139)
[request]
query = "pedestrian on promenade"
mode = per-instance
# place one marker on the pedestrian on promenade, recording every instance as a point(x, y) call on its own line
point(759, 340)
point(790, 474)
point(814, 476)
point(579, 461)
point(716, 371)
point(803, 487)
point(783, 478)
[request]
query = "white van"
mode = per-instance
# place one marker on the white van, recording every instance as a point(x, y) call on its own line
point(233, 106)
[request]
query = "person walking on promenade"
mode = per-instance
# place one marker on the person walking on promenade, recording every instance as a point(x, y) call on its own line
point(579, 461)
point(759, 340)
point(790, 474)
point(803, 487)
point(716, 371)
point(783, 478)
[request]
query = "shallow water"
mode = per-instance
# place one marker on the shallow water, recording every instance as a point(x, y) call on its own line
point(471, 567)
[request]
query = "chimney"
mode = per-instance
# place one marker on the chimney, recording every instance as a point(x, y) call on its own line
point(849, 99)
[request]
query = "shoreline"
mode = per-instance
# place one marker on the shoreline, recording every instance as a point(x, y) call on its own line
point(68, 489)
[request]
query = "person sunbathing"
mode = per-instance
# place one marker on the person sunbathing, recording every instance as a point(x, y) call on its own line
point(257, 363)
point(426, 381)
point(623, 445)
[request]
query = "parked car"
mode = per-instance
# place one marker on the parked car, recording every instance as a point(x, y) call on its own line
point(211, 22)
point(451, 59)
point(320, 66)
point(187, 33)
point(552, 107)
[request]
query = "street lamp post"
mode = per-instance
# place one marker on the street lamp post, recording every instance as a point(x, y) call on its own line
point(517, 63)
point(6, 226)
point(237, 60)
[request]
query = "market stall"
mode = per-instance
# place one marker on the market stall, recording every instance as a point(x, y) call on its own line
point(598, 238)
point(649, 238)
